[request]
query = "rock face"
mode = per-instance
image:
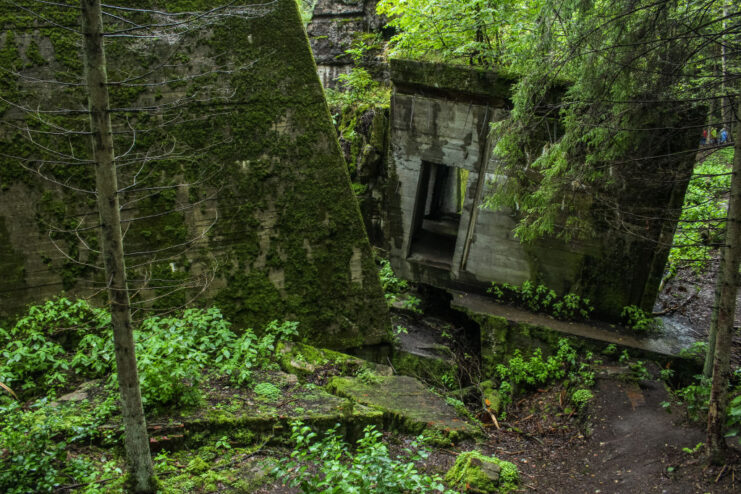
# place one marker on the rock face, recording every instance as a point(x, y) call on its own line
point(254, 207)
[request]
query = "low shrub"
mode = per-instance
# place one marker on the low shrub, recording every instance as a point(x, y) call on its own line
point(173, 353)
point(328, 465)
point(32, 456)
point(525, 373)
point(639, 320)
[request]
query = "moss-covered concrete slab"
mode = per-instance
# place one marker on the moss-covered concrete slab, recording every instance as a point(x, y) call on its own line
point(242, 414)
point(245, 414)
point(505, 328)
point(405, 403)
point(467, 80)
point(305, 360)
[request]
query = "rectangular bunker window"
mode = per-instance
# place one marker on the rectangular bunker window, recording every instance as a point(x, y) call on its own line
point(437, 213)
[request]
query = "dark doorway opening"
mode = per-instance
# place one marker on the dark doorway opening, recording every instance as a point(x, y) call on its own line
point(437, 213)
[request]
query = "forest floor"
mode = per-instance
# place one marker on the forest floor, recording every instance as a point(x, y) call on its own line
point(628, 443)
point(631, 445)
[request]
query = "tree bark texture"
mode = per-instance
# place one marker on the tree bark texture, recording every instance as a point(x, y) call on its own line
point(727, 122)
point(727, 289)
point(138, 458)
point(707, 370)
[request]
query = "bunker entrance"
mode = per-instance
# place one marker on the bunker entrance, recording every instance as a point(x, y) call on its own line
point(437, 213)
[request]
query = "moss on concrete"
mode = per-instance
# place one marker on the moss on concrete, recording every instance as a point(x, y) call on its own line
point(12, 262)
point(456, 78)
point(406, 404)
point(476, 472)
point(304, 360)
point(423, 367)
point(289, 242)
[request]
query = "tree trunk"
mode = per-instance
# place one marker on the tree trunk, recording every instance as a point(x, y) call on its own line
point(727, 289)
point(707, 370)
point(138, 458)
point(725, 102)
point(726, 117)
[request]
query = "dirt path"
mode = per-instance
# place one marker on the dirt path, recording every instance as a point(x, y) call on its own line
point(635, 447)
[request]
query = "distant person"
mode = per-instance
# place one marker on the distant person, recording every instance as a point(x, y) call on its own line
point(713, 136)
point(723, 135)
point(704, 139)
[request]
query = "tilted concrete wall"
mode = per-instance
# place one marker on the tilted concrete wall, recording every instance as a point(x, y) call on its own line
point(288, 241)
point(442, 115)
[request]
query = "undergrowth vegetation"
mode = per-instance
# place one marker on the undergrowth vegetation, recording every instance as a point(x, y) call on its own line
point(62, 343)
point(695, 398)
point(328, 465)
point(395, 289)
point(639, 320)
point(540, 298)
point(34, 458)
point(522, 373)
point(358, 87)
point(703, 219)
point(172, 352)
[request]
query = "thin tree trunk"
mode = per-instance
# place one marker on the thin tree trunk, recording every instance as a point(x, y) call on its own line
point(707, 370)
point(727, 283)
point(726, 117)
point(725, 102)
point(138, 458)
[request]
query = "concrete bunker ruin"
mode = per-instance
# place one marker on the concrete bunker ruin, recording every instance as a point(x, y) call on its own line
point(289, 242)
point(440, 168)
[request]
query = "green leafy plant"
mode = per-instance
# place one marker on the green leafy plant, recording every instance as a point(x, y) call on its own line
point(522, 373)
point(581, 398)
point(223, 443)
point(638, 371)
point(35, 352)
point(368, 376)
point(357, 87)
point(696, 351)
point(413, 304)
point(733, 416)
point(173, 353)
point(448, 379)
point(33, 458)
point(392, 286)
point(703, 218)
point(696, 397)
point(536, 370)
point(328, 465)
point(666, 374)
point(637, 319)
point(695, 450)
point(610, 349)
point(540, 298)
